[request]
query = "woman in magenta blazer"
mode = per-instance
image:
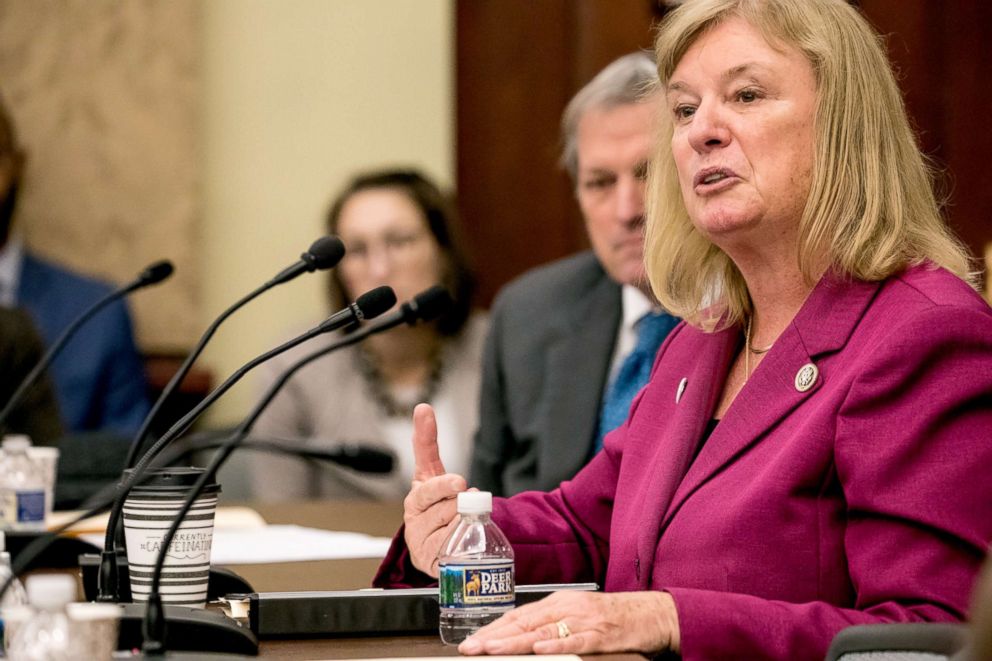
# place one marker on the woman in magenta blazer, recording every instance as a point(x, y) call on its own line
point(812, 450)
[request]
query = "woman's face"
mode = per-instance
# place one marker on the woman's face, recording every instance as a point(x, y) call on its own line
point(744, 136)
point(388, 242)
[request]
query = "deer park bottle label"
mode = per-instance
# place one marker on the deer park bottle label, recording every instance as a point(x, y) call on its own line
point(473, 585)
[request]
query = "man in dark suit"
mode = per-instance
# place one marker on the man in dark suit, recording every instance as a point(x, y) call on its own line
point(37, 415)
point(99, 377)
point(570, 343)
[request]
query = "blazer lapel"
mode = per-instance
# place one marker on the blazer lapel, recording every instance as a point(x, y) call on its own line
point(704, 369)
point(821, 326)
point(576, 369)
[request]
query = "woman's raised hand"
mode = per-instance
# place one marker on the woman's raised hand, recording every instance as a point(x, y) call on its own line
point(430, 509)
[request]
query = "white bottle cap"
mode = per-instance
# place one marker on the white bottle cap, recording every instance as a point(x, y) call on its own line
point(475, 502)
point(50, 591)
point(16, 442)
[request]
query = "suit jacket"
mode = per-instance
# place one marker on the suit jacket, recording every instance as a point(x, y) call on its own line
point(99, 376)
point(863, 499)
point(545, 366)
point(20, 350)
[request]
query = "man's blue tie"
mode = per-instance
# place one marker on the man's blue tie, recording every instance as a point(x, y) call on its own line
point(651, 329)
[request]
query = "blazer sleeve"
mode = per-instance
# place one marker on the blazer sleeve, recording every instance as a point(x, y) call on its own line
point(913, 443)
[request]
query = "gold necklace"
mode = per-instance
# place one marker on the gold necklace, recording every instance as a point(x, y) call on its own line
point(756, 352)
point(748, 349)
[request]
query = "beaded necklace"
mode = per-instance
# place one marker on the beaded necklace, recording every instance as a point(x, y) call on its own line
point(369, 368)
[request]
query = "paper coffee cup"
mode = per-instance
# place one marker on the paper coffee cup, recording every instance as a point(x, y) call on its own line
point(149, 511)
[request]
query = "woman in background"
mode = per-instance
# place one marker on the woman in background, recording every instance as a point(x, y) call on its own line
point(397, 229)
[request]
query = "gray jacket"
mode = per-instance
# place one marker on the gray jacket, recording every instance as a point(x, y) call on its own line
point(545, 366)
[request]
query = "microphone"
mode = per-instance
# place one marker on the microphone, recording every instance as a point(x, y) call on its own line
point(153, 274)
point(370, 304)
point(324, 253)
point(425, 306)
point(367, 306)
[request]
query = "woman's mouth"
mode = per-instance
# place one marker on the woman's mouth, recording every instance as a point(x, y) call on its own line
point(714, 180)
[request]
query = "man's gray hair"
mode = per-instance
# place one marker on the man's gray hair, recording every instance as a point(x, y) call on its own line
point(626, 80)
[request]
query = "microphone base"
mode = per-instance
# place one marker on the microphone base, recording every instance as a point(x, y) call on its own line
point(188, 630)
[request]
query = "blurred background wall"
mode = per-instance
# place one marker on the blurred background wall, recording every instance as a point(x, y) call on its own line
point(106, 98)
point(299, 95)
point(215, 133)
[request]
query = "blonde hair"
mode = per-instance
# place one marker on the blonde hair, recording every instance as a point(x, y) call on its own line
point(871, 209)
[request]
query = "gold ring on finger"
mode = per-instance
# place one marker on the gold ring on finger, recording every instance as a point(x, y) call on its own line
point(563, 630)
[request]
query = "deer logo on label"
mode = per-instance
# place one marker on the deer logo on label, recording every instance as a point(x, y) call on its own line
point(472, 585)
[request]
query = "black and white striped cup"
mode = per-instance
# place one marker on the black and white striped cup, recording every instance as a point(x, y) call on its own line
point(149, 511)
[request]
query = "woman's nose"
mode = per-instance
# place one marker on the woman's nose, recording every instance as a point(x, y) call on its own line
point(708, 129)
point(379, 262)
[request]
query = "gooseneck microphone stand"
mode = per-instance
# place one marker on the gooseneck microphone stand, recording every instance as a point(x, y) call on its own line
point(324, 253)
point(368, 305)
point(425, 306)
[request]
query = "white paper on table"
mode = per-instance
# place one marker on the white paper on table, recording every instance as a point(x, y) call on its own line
point(256, 545)
point(284, 543)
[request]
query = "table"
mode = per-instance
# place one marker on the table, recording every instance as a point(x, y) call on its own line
point(374, 518)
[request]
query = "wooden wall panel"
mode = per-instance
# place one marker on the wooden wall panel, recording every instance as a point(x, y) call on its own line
point(941, 52)
point(967, 101)
point(518, 63)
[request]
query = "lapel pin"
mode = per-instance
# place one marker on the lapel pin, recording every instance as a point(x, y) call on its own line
point(678, 393)
point(806, 377)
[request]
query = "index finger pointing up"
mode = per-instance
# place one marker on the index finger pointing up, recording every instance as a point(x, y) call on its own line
point(425, 454)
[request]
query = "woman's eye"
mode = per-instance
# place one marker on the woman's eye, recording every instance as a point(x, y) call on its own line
point(400, 240)
point(748, 96)
point(684, 111)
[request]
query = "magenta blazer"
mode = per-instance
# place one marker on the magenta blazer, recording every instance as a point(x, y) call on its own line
point(865, 498)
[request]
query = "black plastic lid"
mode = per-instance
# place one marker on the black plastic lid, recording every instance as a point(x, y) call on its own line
point(174, 478)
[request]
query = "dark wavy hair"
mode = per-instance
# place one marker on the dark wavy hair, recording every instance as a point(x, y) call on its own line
point(456, 276)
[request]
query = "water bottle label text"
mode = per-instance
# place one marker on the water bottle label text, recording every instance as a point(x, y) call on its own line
point(465, 586)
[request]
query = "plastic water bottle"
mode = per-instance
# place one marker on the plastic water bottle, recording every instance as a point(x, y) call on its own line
point(47, 635)
point(14, 597)
point(22, 486)
point(476, 570)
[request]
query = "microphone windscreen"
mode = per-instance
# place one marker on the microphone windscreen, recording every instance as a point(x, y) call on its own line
point(432, 303)
point(156, 272)
point(324, 253)
point(376, 301)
